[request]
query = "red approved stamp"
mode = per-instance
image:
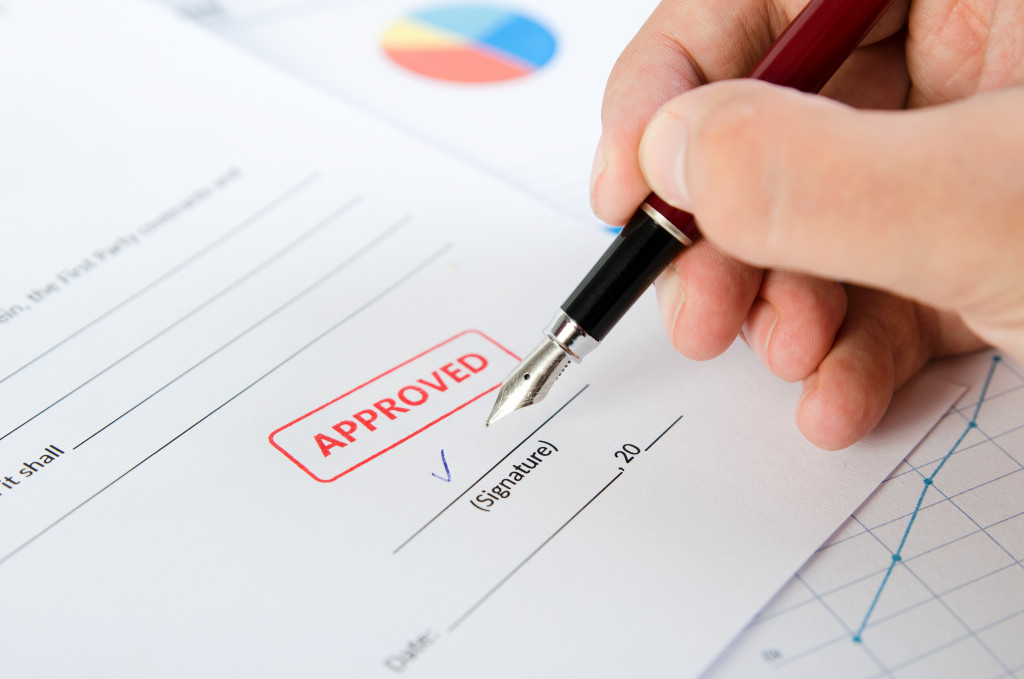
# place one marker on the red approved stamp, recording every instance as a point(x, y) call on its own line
point(385, 412)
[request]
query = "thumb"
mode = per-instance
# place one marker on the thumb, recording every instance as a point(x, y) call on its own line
point(925, 203)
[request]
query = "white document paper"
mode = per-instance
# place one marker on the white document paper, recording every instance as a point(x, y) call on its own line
point(538, 132)
point(952, 604)
point(249, 338)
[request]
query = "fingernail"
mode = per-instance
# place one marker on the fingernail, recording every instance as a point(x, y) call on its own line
point(600, 161)
point(758, 330)
point(669, 291)
point(663, 159)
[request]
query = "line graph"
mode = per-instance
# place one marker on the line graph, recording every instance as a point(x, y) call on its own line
point(897, 556)
point(951, 604)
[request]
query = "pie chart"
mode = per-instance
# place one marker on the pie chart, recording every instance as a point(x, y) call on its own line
point(468, 43)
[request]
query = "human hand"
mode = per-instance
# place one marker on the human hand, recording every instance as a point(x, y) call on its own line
point(794, 192)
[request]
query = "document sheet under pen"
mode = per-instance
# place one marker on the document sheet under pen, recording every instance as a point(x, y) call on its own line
point(249, 339)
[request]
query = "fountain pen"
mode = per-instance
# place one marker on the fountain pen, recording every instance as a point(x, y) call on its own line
point(804, 57)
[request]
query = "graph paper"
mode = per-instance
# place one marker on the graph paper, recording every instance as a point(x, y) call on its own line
point(926, 579)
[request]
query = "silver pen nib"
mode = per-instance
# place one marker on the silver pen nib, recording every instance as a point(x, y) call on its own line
point(531, 380)
point(564, 341)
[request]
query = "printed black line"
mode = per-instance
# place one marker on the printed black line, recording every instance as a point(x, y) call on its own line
point(674, 423)
point(482, 476)
point(398, 283)
point(190, 259)
point(210, 300)
point(359, 253)
point(522, 563)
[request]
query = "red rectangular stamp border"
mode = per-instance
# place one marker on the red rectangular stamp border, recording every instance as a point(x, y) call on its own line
point(371, 381)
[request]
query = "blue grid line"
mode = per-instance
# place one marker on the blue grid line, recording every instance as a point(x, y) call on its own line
point(928, 481)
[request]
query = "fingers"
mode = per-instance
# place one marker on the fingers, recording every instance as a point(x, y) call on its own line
point(682, 45)
point(923, 203)
point(883, 342)
point(686, 43)
point(704, 298)
point(848, 394)
point(852, 346)
point(793, 322)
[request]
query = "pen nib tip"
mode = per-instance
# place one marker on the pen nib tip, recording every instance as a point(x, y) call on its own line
point(530, 381)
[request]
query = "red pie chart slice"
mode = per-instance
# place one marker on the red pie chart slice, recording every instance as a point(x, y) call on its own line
point(459, 64)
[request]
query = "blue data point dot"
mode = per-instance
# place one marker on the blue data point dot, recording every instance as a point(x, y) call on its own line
point(972, 424)
point(896, 557)
point(856, 639)
point(928, 482)
point(996, 359)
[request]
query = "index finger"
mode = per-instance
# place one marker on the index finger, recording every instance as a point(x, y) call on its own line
point(684, 43)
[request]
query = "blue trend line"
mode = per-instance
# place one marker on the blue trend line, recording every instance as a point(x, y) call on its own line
point(897, 556)
point(446, 470)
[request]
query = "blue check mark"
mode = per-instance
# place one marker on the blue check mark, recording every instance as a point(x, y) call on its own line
point(448, 474)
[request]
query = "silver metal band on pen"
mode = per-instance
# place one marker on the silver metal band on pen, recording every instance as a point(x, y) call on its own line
point(662, 221)
point(568, 335)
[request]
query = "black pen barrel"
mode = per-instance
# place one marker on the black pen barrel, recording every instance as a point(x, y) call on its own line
point(626, 269)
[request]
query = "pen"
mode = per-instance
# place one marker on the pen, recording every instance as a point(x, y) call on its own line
point(804, 57)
